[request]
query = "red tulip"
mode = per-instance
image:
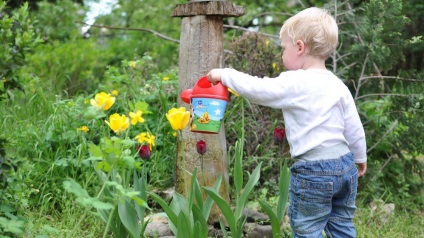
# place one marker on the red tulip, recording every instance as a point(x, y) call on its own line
point(144, 151)
point(279, 134)
point(201, 147)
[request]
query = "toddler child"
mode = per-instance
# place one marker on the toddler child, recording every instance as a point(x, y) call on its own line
point(323, 128)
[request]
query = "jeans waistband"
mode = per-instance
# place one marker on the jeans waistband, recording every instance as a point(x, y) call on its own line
point(331, 152)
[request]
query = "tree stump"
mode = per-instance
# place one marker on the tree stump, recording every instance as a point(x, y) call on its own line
point(201, 49)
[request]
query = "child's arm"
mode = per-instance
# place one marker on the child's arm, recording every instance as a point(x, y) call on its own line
point(355, 135)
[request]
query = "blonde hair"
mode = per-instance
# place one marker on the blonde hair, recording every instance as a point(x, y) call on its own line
point(316, 28)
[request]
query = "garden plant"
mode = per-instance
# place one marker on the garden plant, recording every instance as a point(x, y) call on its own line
point(90, 121)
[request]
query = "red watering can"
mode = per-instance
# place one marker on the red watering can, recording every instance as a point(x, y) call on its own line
point(207, 105)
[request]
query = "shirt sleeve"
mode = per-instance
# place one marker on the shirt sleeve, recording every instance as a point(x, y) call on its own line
point(354, 132)
point(265, 91)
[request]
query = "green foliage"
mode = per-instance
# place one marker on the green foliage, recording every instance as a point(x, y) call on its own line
point(378, 223)
point(50, 28)
point(254, 54)
point(235, 218)
point(188, 216)
point(18, 38)
point(69, 67)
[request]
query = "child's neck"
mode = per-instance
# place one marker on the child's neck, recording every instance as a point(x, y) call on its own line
point(313, 62)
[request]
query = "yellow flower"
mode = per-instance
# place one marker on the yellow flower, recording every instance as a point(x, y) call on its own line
point(136, 117)
point(178, 118)
point(146, 137)
point(115, 92)
point(274, 65)
point(165, 78)
point(83, 128)
point(103, 101)
point(118, 123)
point(232, 91)
point(132, 64)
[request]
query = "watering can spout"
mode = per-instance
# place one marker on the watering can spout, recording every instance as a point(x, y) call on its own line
point(186, 95)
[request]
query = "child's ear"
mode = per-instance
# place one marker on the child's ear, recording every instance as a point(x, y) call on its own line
point(300, 46)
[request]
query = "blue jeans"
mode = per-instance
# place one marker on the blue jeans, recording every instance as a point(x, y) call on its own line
point(322, 197)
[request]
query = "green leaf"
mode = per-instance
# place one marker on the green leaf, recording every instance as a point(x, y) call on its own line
point(183, 226)
point(223, 205)
point(50, 229)
point(95, 150)
point(129, 161)
point(201, 225)
point(140, 185)
point(143, 106)
point(198, 193)
point(197, 230)
point(224, 232)
point(15, 226)
point(129, 219)
point(209, 201)
point(73, 187)
point(103, 166)
point(169, 212)
point(253, 179)
point(95, 202)
point(275, 222)
point(283, 186)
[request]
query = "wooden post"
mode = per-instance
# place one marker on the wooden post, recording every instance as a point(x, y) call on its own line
point(201, 49)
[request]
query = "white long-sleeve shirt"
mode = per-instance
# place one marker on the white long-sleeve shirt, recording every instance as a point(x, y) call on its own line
point(318, 108)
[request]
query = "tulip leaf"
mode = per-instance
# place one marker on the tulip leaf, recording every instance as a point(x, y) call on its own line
point(183, 227)
point(209, 201)
point(253, 179)
point(222, 225)
point(197, 230)
point(201, 225)
point(169, 212)
point(275, 222)
point(223, 205)
point(192, 190)
point(198, 193)
point(283, 185)
point(140, 185)
point(129, 219)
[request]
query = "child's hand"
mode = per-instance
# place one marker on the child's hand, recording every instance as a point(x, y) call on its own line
point(214, 76)
point(362, 168)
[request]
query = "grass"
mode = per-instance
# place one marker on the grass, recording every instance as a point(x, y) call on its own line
point(401, 224)
point(369, 224)
point(63, 224)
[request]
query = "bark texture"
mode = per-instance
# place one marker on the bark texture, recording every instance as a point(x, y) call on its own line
point(201, 49)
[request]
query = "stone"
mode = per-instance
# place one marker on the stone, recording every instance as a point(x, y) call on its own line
point(253, 230)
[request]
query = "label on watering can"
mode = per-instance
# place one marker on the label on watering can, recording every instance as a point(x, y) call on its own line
point(207, 114)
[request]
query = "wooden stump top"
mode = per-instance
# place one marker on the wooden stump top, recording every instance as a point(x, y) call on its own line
point(208, 8)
